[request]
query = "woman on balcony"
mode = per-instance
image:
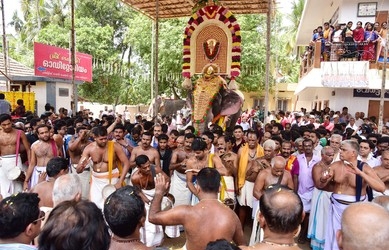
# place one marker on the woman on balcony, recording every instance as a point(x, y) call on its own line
point(359, 37)
point(349, 43)
point(337, 44)
point(382, 42)
point(371, 38)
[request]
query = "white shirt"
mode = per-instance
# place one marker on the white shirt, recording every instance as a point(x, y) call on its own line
point(371, 160)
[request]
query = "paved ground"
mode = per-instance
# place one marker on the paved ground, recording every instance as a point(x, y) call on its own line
point(177, 243)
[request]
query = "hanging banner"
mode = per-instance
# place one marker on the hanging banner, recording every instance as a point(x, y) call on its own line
point(345, 74)
point(55, 62)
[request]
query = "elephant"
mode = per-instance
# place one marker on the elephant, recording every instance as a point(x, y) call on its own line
point(212, 101)
point(166, 106)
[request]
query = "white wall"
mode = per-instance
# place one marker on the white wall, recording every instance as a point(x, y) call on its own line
point(40, 96)
point(349, 8)
point(63, 101)
point(342, 98)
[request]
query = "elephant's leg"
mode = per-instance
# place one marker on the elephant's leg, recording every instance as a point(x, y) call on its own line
point(203, 126)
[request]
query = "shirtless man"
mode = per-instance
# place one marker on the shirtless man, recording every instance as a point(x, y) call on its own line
point(383, 172)
point(248, 170)
point(369, 231)
point(275, 175)
point(41, 152)
point(201, 159)
point(9, 159)
point(126, 202)
point(278, 205)
point(98, 152)
point(180, 156)
point(320, 201)
point(56, 167)
point(143, 178)
point(146, 149)
point(76, 146)
point(210, 214)
point(60, 128)
point(335, 141)
point(230, 162)
point(341, 180)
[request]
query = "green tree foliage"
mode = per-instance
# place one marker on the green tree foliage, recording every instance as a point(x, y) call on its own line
point(120, 41)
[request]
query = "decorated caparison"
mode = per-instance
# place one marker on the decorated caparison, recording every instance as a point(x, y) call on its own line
point(212, 48)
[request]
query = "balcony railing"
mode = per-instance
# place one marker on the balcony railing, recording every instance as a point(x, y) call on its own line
point(313, 55)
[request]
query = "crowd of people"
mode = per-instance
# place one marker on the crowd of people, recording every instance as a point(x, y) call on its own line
point(345, 42)
point(292, 178)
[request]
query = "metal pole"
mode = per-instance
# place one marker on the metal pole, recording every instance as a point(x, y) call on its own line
point(382, 98)
point(268, 36)
point(155, 115)
point(5, 49)
point(73, 61)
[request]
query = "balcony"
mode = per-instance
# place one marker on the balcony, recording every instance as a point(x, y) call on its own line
point(313, 58)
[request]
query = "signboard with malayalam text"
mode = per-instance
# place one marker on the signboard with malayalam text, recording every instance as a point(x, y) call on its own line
point(51, 61)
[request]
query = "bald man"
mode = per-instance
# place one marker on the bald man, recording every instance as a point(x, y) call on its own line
point(341, 179)
point(383, 172)
point(275, 175)
point(320, 200)
point(369, 231)
point(278, 205)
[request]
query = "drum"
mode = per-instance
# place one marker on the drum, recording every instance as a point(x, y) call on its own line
point(16, 174)
point(107, 191)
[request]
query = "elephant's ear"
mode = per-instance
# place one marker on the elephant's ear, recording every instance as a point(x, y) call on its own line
point(231, 102)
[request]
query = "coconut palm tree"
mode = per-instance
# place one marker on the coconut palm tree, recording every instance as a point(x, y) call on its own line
point(294, 18)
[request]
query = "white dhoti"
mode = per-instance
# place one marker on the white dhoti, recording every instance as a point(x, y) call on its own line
point(98, 182)
point(376, 194)
point(246, 198)
point(306, 199)
point(257, 231)
point(35, 175)
point(318, 218)
point(339, 202)
point(179, 190)
point(152, 235)
point(85, 177)
point(7, 163)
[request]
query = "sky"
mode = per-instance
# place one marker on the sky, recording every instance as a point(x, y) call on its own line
point(9, 8)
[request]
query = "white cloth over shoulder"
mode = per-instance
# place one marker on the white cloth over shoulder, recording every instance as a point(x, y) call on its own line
point(318, 218)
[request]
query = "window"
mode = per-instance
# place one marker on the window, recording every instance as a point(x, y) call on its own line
point(282, 105)
point(259, 102)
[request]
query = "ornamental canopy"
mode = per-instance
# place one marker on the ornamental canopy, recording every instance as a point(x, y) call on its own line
point(183, 8)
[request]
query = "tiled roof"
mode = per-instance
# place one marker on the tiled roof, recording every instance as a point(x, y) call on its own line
point(15, 68)
point(183, 8)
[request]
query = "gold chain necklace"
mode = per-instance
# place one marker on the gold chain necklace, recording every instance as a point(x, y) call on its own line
point(279, 244)
point(125, 240)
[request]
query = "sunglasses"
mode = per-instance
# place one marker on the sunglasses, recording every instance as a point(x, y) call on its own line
point(42, 216)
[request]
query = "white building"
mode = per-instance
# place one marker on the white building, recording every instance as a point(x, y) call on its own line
point(335, 84)
point(57, 92)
